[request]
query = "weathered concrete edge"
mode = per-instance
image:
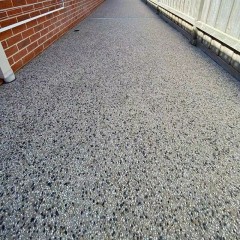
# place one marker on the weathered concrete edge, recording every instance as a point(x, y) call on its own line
point(225, 56)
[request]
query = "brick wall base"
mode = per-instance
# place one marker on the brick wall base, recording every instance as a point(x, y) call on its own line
point(23, 43)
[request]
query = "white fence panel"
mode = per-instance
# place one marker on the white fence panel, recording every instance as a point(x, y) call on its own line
point(224, 10)
point(213, 12)
point(218, 18)
point(205, 10)
point(233, 27)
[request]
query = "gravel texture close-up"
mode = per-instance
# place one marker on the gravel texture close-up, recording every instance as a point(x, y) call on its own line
point(121, 130)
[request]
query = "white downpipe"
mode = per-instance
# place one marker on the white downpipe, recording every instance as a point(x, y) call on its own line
point(6, 71)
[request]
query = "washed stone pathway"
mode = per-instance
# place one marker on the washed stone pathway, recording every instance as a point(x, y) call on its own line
point(122, 130)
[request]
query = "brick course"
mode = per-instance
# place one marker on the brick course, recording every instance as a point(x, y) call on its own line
point(26, 41)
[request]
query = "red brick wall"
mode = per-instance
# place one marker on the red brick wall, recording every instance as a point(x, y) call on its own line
point(26, 41)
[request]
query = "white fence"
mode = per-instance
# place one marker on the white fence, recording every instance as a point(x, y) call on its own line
point(218, 18)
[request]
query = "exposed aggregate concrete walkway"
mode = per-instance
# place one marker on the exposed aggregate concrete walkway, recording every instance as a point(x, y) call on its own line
point(122, 130)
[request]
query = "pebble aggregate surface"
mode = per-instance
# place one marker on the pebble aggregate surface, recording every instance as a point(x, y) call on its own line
point(121, 130)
